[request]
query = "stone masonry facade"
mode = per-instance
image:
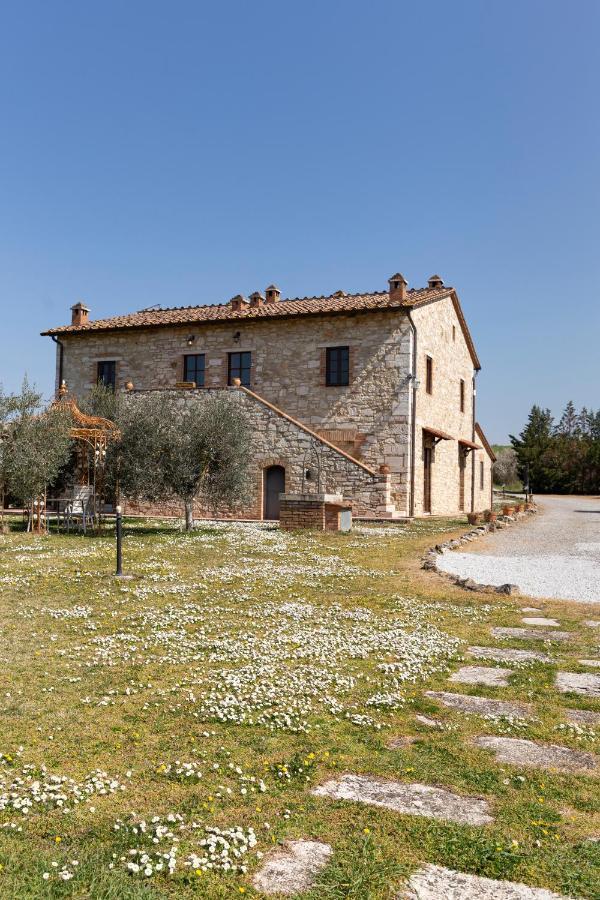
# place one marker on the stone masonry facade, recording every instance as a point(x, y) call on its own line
point(279, 441)
point(372, 433)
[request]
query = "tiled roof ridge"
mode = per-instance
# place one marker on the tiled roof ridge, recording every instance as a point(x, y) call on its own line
point(334, 296)
point(337, 303)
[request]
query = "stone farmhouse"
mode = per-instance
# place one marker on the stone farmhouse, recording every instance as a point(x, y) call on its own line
point(371, 396)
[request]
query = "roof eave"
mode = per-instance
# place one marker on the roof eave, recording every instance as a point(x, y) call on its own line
point(68, 330)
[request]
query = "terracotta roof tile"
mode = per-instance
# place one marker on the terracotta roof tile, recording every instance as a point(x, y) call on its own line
point(297, 306)
point(485, 442)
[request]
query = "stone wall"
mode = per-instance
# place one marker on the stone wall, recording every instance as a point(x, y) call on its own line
point(440, 336)
point(369, 417)
point(483, 492)
point(279, 440)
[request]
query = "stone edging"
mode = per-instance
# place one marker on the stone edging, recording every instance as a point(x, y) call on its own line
point(430, 558)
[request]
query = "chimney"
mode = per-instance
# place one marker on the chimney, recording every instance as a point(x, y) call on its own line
point(398, 285)
point(435, 281)
point(79, 314)
point(273, 294)
point(238, 303)
point(256, 299)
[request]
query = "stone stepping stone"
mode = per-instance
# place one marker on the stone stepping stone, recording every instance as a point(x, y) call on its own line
point(438, 883)
point(520, 752)
point(531, 634)
point(482, 706)
point(399, 742)
point(588, 685)
point(429, 722)
point(411, 799)
point(515, 656)
point(582, 716)
point(530, 609)
point(540, 620)
point(292, 868)
point(595, 663)
point(496, 677)
point(592, 623)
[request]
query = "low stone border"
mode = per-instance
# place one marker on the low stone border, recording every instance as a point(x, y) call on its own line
point(430, 558)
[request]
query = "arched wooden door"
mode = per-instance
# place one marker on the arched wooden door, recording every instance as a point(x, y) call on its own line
point(273, 486)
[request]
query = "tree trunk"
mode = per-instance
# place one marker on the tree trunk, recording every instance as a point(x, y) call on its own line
point(189, 515)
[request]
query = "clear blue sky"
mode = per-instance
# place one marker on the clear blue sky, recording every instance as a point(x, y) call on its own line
point(182, 152)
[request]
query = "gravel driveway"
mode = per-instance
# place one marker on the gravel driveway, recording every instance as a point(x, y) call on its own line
point(554, 554)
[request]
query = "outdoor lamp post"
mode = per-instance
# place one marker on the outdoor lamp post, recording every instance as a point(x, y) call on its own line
point(119, 572)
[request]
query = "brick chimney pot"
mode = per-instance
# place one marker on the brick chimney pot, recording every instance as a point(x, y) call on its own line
point(79, 314)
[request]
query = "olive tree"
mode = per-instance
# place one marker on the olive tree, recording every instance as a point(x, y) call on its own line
point(505, 467)
point(14, 409)
point(168, 450)
point(207, 454)
point(37, 446)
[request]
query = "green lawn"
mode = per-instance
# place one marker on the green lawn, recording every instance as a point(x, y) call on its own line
point(239, 667)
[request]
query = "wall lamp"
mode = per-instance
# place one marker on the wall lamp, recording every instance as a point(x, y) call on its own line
point(191, 340)
point(412, 379)
point(237, 336)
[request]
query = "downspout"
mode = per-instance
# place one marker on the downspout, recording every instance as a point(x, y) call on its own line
point(411, 505)
point(61, 353)
point(473, 455)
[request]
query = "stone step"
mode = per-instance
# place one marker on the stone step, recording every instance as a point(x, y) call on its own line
point(519, 752)
point(429, 722)
point(509, 655)
point(540, 620)
point(482, 706)
point(592, 663)
point(582, 716)
point(292, 868)
point(411, 799)
point(531, 634)
point(493, 677)
point(588, 685)
point(438, 883)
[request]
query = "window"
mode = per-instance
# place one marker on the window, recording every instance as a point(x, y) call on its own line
point(481, 475)
point(337, 366)
point(107, 373)
point(429, 375)
point(193, 368)
point(239, 367)
point(462, 395)
point(454, 332)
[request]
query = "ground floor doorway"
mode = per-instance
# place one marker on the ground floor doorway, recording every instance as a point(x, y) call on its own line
point(462, 465)
point(273, 486)
point(427, 473)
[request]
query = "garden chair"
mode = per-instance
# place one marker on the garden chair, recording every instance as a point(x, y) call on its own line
point(80, 511)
